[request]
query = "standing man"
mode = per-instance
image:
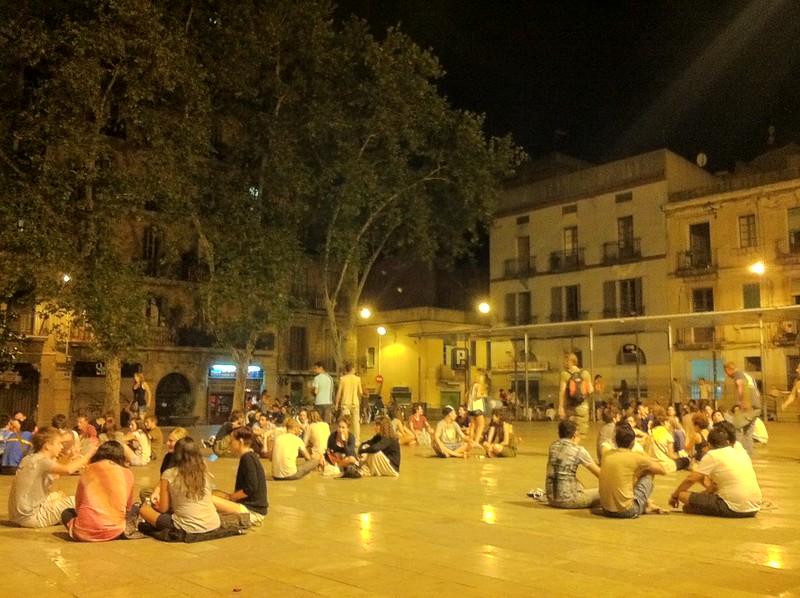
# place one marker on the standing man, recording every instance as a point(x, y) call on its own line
point(348, 398)
point(323, 392)
point(705, 391)
point(677, 395)
point(575, 388)
point(795, 389)
point(747, 397)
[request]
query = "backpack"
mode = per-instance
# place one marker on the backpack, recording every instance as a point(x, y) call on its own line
point(577, 388)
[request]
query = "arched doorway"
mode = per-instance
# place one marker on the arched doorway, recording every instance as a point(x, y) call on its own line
point(174, 401)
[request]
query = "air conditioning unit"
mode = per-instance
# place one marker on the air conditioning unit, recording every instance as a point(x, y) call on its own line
point(789, 327)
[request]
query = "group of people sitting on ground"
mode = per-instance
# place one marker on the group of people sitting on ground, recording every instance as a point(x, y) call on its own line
point(103, 508)
point(628, 459)
point(306, 444)
point(452, 436)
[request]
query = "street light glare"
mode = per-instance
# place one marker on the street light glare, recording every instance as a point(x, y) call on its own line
point(365, 312)
point(758, 268)
point(66, 278)
point(484, 308)
point(381, 330)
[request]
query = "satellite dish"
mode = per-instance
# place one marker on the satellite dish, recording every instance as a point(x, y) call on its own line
point(701, 159)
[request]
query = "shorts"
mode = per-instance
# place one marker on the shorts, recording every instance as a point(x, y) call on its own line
point(476, 413)
point(713, 505)
point(453, 446)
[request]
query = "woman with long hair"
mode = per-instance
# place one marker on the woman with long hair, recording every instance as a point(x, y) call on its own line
point(500, 437)
point(380, 455)
point(185, 494)
point(103, 498)
point(477, 406)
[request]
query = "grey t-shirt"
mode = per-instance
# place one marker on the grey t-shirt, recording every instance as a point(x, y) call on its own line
point(31, 486)
point(192, 515)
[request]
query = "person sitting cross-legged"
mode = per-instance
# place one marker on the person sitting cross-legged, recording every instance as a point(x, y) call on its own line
point(731, 486)
point(380, 455)
point(626, 478)
point(563, 489)
point(287, 448)
point(250, 490)
point(449, 440)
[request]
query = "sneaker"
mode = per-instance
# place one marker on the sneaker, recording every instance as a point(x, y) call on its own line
point(536, 493)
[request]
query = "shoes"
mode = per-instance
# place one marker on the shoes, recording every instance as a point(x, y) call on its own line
point(536, 493)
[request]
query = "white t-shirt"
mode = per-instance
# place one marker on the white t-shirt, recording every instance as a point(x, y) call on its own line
point(317, 436)
point(284, 455)
point(324, 385)
point(732, 471)
point(30, 487)
point(658, 447)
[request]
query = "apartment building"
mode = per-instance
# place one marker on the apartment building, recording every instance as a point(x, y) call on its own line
point(735, 245)
point(583, 246)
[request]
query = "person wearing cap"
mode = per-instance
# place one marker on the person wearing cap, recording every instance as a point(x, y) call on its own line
point(449, 440)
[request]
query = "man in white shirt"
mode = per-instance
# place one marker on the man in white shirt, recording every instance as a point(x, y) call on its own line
point(348, 399)
point(285, 451)
point(734, 491)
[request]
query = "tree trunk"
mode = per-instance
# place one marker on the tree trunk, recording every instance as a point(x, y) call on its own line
point(242, 358)
point(112, 384)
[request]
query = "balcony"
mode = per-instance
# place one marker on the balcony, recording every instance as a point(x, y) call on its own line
point(565, 261)
point(521, 320)
point(627, 250)
point(696, 262)
point(788, 253)
point(624, 312)
point(698, 338)
point(575, 316)
point(519, 267)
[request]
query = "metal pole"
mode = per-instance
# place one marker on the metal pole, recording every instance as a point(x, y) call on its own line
point(669, 353)
point(527, 398)
point(763, 366)
point(593, 414)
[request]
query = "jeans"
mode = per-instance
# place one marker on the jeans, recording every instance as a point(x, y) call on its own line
point(641, 495)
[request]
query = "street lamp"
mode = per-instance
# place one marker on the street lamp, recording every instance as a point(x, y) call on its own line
point(365, 313)
point(758, 268)
point(484, 307)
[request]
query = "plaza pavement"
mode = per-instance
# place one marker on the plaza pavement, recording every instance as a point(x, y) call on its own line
point(443, 528)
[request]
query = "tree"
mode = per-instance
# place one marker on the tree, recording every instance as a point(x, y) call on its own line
point(260, 58)
point(398, 171)
point(103, 115)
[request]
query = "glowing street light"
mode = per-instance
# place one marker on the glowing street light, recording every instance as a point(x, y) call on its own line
point(484, 307)
point(382, 330)
point(365, 312)
point(66, 278)
point(758, 268)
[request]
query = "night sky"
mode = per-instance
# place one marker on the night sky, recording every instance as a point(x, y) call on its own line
point(604, 79)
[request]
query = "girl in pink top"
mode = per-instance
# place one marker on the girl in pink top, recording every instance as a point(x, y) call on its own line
point(103, 498)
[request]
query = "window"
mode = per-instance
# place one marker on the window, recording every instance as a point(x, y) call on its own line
point(370, 357)
point(570, 240)
point(298, 348)
point(747, 230)
point(703, 299)
point(518, 308)
point(571, 209)
point(622, 298)
point(151, 250)
point(473, 353)
point(751, 296)
point(565, 303)
point(523, 219)
point(523, 254)
point(794, 229)
point(625, 231)
point(623, 197)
